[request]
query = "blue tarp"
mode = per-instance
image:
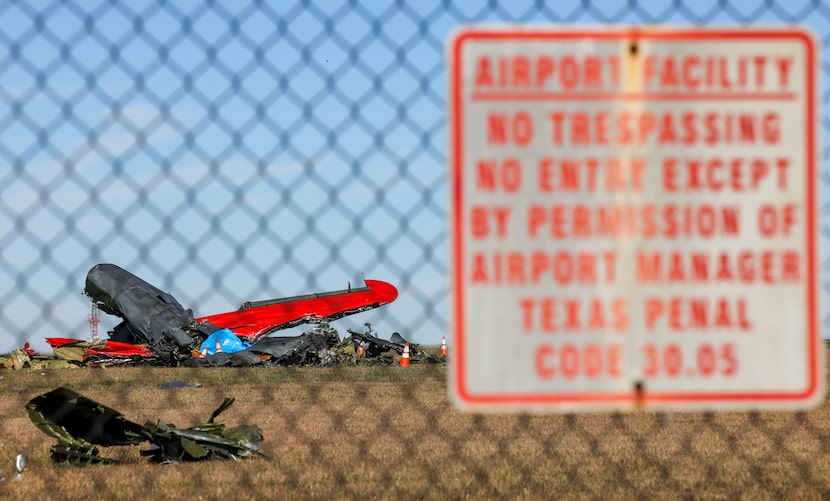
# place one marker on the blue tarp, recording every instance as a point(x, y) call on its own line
point(228, 341)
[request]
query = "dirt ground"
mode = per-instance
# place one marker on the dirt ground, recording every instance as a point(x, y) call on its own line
point(390, 433)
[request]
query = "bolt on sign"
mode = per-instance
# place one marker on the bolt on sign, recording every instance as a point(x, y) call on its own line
point(633, 219)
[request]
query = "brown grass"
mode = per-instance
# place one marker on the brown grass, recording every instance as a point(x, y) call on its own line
point(387, 433)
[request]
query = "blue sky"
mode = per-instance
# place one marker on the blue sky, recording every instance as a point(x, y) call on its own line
point(233, 153)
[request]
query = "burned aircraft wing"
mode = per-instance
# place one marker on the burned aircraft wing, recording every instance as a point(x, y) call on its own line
point(81, 424)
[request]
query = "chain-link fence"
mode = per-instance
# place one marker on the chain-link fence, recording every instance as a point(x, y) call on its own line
point(239, 152)
point(234, 151)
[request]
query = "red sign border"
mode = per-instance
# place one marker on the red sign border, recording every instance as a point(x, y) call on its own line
point(814, 365)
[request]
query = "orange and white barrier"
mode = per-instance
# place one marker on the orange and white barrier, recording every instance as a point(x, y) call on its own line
point(405, 356)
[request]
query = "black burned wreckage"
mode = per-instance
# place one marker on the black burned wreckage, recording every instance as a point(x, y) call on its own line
point(81, 425)
point(157, 330)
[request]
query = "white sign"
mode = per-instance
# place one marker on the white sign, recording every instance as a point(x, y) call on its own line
point(633, 219)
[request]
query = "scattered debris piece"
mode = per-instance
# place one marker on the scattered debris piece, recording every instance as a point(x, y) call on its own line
point(180, 384)
point(81, 424)
point(21, 358)
point(20, 465)
point(387, 352)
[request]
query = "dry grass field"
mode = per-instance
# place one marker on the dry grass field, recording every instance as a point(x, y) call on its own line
point(391, 433)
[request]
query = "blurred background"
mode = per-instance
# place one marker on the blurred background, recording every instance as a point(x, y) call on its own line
point(236, 151)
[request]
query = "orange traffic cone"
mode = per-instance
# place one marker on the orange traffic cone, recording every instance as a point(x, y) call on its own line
point(360, 351)
point(204, 353)
point(218, 347)
point(405, 356)
point(443, 346)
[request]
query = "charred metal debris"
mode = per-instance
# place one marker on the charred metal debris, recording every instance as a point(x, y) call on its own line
point(81, 426)
point(157, 330)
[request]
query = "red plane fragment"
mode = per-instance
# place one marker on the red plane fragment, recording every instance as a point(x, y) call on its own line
point(258, 318)
point(120, 349)
point(107, 347)
point(57, 342)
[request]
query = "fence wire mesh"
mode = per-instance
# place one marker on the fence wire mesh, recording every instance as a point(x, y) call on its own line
point(234, 151)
